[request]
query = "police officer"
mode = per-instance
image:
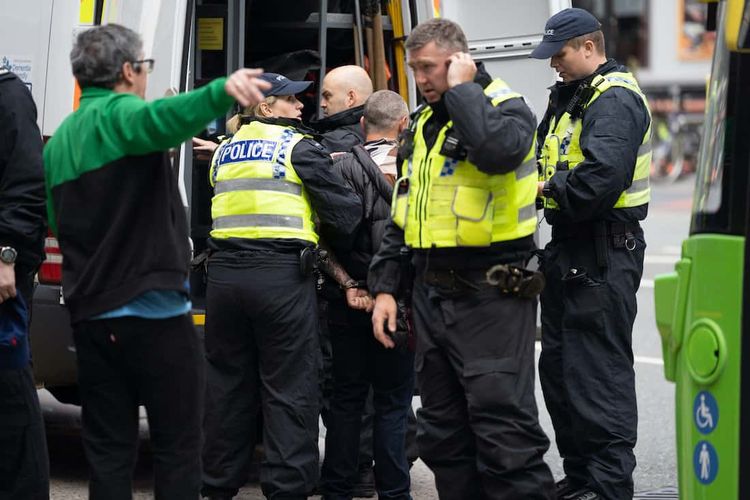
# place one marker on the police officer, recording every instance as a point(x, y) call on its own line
point(594, 150)
point(466, 207)
point(24, 466)
point(261, 342)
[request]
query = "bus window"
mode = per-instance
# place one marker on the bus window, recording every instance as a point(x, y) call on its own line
point(721, 184)
point(711, 159)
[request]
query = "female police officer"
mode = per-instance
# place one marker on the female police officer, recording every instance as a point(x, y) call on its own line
point(261, 334)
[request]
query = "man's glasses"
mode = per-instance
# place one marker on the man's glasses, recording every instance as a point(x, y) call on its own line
point(147, 64)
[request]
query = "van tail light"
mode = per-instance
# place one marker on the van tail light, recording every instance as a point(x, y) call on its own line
point(50, 273)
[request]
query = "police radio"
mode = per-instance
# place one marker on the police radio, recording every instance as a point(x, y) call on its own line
point(452, 147)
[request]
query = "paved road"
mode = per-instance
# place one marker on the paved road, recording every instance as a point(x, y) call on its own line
point(665, 228)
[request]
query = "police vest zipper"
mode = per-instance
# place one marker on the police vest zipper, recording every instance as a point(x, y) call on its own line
point(422, 194)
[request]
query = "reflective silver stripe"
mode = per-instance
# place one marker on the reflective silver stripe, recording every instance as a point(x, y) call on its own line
point(527, 212)
point(637, 186)
point(258, 185)
point(260, 220)
point(644, 148)
point(499, 92)
point(526, 169)
point(620, 79)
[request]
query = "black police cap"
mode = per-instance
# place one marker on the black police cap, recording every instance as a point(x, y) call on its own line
point(281, 85)
point(563, 26)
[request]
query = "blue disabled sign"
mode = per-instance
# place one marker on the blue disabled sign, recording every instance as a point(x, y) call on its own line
point(705, 462)
point(705, 412)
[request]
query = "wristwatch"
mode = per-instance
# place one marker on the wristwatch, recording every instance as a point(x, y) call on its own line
point(8, 255)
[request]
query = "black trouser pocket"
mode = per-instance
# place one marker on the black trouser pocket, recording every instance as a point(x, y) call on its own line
point(490, 382)
point(584, 301)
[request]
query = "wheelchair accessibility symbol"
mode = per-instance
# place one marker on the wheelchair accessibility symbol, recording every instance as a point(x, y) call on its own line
point(705, 412)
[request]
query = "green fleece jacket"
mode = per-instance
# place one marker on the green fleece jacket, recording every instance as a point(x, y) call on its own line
point(113, 198)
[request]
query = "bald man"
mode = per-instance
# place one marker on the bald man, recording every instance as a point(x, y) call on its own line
point(345, 90)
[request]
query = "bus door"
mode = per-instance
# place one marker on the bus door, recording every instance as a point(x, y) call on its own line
point(699, 307)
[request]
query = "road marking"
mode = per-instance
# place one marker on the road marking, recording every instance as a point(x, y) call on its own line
point(661, 259)
point(646, 360)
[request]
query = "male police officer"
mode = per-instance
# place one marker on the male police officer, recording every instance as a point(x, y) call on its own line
point(594, 150)
point(466, 207)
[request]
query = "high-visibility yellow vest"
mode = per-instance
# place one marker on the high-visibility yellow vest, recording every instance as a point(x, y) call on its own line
point(563, 143)
point(444, 202)
point(257, 192)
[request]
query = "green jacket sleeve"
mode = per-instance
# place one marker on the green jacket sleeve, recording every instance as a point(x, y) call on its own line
point(142, 127)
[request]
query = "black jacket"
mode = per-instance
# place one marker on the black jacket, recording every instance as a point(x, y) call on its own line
point(342, 131)
point(335, 204)
point(365, 178)
point(612, 131)
point(497, 139)
point(22, 201)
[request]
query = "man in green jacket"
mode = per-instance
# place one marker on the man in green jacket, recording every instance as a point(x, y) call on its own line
point(114, 204)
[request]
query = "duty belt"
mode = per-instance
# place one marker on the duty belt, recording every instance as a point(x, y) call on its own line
point(618, 234)
point(587, 230)
point(508, 278)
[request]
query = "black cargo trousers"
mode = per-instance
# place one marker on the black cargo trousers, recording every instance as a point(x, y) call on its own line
point(586, 365)
point(24, 465)
point(478, 427)
point(262, 351)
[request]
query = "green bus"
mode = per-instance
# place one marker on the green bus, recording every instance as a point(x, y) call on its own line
point(699, 307)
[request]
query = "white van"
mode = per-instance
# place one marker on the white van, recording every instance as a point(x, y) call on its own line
point(196, 41)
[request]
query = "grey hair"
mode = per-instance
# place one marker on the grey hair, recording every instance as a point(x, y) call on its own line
point(383, 110)
point(99, 53)
point(445, 33)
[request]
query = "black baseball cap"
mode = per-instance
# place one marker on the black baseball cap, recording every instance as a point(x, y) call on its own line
point(563, 26)
point(281, 85)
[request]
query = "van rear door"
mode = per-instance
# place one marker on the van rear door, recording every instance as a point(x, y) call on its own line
point(165, 27)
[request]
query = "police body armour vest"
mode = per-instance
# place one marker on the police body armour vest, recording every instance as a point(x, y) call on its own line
point(562, 144)
point(448, 202)
point(257, 192)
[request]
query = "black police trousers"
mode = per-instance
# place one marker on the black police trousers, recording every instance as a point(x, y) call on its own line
point(262, 350)
point(24, 464)
point(478, 428)
point(157, 363)
point(361, 363)
point(586, 365)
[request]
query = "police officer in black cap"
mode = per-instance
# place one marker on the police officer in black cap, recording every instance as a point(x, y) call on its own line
point(261, 345)
point(594, 154)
